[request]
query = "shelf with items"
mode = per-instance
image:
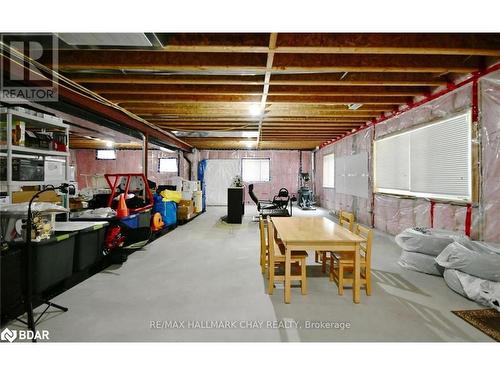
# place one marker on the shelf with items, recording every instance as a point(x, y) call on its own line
point(41, 120)
point(32, 146)
point(33, 151)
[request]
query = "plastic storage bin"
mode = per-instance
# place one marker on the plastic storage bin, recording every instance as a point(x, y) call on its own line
point(89, 243)
point(168, 211)
point(52, 260)
point(11, 284)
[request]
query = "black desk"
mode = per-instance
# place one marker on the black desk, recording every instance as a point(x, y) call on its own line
point(235, 204)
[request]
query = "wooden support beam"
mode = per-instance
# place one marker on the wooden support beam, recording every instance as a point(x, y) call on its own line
point(267, 78)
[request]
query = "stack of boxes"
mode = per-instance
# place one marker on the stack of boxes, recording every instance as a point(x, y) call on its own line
point(191, 203)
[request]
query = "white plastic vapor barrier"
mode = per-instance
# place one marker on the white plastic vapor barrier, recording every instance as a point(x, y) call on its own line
point(351, 174)
point(219, 175)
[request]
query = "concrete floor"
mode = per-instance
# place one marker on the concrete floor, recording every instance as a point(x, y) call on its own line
point(207, 270)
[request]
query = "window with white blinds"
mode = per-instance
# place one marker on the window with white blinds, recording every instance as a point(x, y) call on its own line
point(329, 171)
point(433, 161)
point(255, 170)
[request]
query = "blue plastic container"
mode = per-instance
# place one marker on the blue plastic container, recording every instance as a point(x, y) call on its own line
point(131, 221)
point(167, 210)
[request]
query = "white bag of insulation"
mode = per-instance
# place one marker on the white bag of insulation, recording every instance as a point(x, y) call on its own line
point(472, 257)
point(420, 262)
point(482, 291)
point(425, 240)
point(451, 279)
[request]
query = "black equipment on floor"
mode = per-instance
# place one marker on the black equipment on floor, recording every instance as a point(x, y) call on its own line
point(235, 204)
point(276, 207)
point(305, 194)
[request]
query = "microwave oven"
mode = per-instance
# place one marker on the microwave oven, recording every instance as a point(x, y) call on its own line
point(23, 169)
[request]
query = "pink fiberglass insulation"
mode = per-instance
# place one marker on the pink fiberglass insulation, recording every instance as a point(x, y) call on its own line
point(452, 102)
point(154, 174)
point(391, 213)
point(444, 217)
point(489, 99)
point(400, 213)
point(127, 161)
point(328, 197)
point(421, 211)
point(406, 214)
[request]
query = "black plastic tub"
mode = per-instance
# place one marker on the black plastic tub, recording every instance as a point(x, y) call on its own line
point(52, 260)
point(89, 246)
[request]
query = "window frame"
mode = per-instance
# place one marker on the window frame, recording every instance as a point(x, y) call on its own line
point(176, 163)
point(471, 174)
point(260, 181)
point(332, 156)
point(107, 150)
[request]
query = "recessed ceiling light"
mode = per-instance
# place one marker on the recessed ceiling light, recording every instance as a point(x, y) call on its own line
point(255, 110)
point(248, 144)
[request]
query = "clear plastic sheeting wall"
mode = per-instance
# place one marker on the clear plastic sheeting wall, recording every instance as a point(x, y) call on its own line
point(284, 168)
point(219, 175)
point(489, 117)
point(360, 143)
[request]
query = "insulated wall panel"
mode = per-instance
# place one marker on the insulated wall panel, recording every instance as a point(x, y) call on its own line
point(351, 175)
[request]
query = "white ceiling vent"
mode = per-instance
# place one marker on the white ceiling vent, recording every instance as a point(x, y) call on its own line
point(354, 106)
point(106, 39)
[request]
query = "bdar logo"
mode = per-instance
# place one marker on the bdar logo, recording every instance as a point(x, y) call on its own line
point(8, 335)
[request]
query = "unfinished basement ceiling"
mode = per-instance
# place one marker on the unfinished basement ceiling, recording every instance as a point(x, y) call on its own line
point(295, 90)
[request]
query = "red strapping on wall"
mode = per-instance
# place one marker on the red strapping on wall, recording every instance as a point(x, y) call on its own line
point(475, 101)
point(468, 220)
point(432, 213)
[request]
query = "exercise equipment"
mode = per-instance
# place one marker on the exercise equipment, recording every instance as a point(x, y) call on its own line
point(305, 194)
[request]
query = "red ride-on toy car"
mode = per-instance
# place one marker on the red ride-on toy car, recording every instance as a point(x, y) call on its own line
point(134, 230)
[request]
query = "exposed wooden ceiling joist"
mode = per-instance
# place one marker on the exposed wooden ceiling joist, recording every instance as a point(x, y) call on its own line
point(340, 43)
point(213, 90)
point(302, 82)
point(159, 98)
point(322, 79)
point(70, 60)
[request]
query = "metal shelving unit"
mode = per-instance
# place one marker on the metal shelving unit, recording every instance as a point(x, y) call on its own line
point(9, 150)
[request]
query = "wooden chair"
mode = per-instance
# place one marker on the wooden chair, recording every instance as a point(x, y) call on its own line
point(264, 247)
point(346, 219)
point(342, 262)
point(276, 256)
point(264, 244)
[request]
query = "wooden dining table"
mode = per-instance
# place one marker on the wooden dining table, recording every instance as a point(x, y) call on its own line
point(313, 234)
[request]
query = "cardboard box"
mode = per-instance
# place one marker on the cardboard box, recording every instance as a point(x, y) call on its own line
point(25, 196)
point(186, 203)
point(190, 185)
point(187, 195)
point(186, 211)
